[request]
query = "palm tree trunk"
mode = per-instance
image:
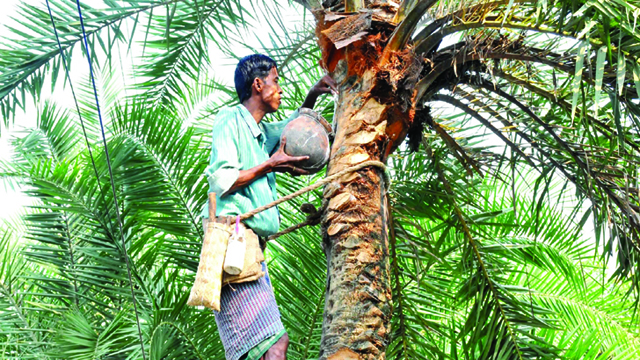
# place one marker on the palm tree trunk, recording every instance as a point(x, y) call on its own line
point(358, 294)
point(371, 120)
point(373, 115)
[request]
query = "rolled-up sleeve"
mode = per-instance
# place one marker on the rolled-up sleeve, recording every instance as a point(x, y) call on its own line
point(273, 131)
point(225, 165)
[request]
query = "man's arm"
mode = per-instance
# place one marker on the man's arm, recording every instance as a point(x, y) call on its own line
point(323, 86)
point(278, 162)
point(224, 165)
point(246, 177)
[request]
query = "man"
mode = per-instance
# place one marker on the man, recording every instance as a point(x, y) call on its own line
point(245, 154)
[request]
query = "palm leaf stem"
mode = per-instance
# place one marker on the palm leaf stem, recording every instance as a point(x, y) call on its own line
point(467, 234)
point(18, 310)
point(398, 296)
point(353, 5)
point(316, 313)
point(604, 129)
point(456, 149)
point(459, 104)
point(404, 8)
point(71, 257)
point(403, 32)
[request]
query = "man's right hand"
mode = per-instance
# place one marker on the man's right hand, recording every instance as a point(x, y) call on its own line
point(281, 162)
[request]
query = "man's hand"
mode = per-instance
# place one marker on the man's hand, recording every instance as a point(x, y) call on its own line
point(323, 86)
point(281, 162)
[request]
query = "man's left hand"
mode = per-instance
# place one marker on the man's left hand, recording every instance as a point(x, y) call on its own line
point(324, 86)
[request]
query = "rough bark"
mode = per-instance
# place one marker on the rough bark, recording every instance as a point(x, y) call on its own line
point(358, 295)
point(372, 117)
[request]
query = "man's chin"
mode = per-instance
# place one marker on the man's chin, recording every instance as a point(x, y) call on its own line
point(274, 109)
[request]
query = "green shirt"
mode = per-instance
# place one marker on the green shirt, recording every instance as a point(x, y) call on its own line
point(239, 143)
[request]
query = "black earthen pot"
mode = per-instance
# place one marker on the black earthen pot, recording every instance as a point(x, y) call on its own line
point(309, 135)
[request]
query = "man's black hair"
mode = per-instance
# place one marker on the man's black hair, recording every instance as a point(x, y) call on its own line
point(249, 68)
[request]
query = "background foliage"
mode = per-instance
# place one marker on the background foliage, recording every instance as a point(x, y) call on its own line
point(490, 265)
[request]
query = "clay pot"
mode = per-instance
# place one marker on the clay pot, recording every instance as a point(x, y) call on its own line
point(309, 135)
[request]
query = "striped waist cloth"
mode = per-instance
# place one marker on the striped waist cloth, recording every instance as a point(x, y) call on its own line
point(249, 314)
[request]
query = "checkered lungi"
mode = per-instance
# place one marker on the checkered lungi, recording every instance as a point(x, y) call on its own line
point(248, 315)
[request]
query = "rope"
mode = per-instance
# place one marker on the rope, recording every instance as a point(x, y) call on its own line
point(75, 99)
point(315, 186)
point(290, 229)
point(113, 185)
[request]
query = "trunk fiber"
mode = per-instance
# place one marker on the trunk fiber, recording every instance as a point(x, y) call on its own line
point(358, 294)
point(373, 114)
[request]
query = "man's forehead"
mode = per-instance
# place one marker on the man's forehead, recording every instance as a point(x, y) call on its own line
point(274, 72)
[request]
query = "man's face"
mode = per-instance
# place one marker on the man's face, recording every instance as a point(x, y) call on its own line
point(271, 93)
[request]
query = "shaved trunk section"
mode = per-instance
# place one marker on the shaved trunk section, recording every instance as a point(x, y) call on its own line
point(372, 117)
point(358, 295)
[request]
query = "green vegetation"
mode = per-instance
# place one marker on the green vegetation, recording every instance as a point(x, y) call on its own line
point(487, 256)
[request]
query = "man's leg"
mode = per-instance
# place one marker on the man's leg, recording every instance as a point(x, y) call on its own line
point(279, 350)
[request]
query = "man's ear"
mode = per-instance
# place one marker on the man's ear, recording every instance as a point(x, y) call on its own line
point(258, 84)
